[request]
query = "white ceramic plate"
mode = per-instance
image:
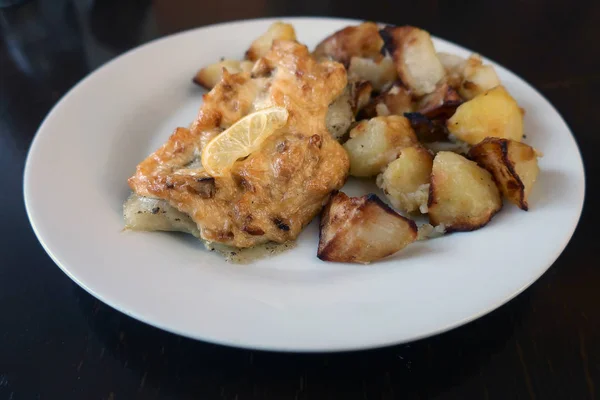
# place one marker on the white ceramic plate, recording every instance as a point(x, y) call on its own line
point(75, 184)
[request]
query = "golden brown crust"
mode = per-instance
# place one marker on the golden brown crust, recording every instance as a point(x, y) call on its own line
point(494, 155)
point(353, 41)
point(277, 189)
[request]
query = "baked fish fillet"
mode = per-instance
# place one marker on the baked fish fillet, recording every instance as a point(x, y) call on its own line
point(277, 190)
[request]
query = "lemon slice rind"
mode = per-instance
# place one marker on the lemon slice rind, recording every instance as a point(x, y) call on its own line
point(241, 139)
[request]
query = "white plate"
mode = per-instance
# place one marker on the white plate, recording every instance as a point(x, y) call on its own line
point(75, 184)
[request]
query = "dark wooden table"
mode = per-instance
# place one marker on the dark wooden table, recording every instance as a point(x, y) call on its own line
point(57, 342)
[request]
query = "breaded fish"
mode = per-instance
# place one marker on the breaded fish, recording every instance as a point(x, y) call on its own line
point(277, 190)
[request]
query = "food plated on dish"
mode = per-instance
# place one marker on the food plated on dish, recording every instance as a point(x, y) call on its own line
point(169, 281)
point(279, 133)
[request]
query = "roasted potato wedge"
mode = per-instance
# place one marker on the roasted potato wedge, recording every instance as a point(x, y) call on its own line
point(353, 41)
point(493, 113)
point(513, 164)
point(380, 73)
point(477, 78)
point(454, 66)
point(374, 143)
point(340, 115)
point(277, 31)
point(470, 77)
point(362, 229)
point(360, 94)
point(441, 103)
point(414, 55)
point(462, 195)
point(405, 181)
point(209, 76)
point(396, 100)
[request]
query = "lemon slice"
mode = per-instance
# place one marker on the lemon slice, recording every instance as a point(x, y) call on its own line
point(241, 139)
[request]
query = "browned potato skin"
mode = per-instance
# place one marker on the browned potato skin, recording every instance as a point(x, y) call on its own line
point(351, 230)
point(427, 130)
point(353, 41)
point(440, 104)
point(360, 95)
point(397, 100)
point(447, 203)
point(416, 61)
point(502, 158)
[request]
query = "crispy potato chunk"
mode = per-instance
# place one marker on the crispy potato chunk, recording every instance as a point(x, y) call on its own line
point(513, 164)
point(340, 115)
point(477, 78)
point(360, 94)
point(462, 196)
point(397, 100)
point(353, 41)
point(379, 73)
point(414, 55)
point(493, 113)
point(405, 181)
point(374, 143)
point(277, 31)
point(454, 66)
point(470, 77)
point(362, 229)
point(209, 76)
point(441, 104)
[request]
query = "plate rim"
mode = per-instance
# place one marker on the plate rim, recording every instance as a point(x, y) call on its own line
point(300, 349)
